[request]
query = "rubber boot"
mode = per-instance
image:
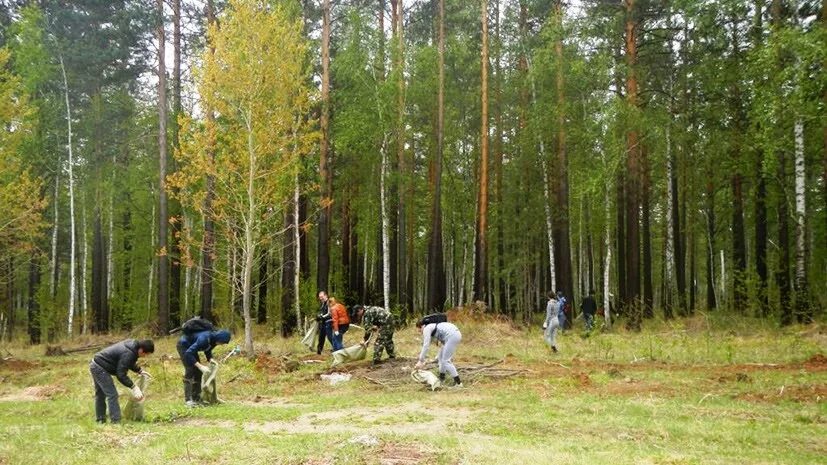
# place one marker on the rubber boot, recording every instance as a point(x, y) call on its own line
point(188, 384)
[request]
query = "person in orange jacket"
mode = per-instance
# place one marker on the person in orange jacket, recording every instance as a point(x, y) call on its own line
point(340, 324)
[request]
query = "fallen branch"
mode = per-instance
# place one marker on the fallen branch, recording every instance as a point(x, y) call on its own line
point(52, 351)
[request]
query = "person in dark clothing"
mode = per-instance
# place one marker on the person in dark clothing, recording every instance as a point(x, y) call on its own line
point(589, 308)
point(323, 319)
point(188, 348)
point(116, 360)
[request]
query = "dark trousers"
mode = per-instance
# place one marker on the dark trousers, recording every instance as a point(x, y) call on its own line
point(105, 393)
point(192, 375)
point(323, 325)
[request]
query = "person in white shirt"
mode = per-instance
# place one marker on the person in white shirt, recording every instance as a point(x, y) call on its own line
point(449, 336)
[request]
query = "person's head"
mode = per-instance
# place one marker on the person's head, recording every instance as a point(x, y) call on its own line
point(322, 296)
point(358, 313)
point(332, 301)
point(550, 295)
point(559, 294)
point(145, 347)
point(222, 336)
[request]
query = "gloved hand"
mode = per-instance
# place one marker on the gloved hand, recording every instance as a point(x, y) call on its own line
point(145, 374)
point(201, 367)
point(137, 394)
point(336, 333)
point(545, 325)
point(419, 365)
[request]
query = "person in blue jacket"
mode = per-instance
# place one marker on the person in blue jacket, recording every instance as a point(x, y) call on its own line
point(188, 348)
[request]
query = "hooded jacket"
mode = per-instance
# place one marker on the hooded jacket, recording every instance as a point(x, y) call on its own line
point(204, 341)
point(118, 358)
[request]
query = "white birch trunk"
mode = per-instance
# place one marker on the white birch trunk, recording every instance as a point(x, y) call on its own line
point(607, 266)
point(297, 252)
point(723, 278)
point(53, 263)
point(546, 196)
point(72, 241)
point(800, 209)
point(249, 244)
point(386, 254)
point(110, 290)
point(83, 263)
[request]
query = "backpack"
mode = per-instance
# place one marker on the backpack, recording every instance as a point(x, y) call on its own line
point(434, 318)
point(196, 325)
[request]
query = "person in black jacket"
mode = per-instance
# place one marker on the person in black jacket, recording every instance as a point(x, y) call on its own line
point(323, 319)
point(116, 360)
point(589, 308)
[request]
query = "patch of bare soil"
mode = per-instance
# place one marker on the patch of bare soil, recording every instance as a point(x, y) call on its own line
point(632, 387)
point(33, 394)
point(269, 364)
point(817, 362)
point(808, 393)
point(403, 454)
point(17, 365)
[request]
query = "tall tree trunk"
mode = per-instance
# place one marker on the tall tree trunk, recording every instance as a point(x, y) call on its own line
point(633, 176)
point(498, 166)
point(100, 301)
point(404, 236)
point(739, 248)
point(288, 274)
point(436, 268)
point(33, 306)
point(562, 241)
point(263, 279)
point(607, 266)
point(671, 211)
point(325, 170)
point(386, 253)
point(481, 243)
point(711, 301)
point(208, 244)
point(163, 219)
point(249, 247)
point(648, 299)
point(54, 267)
point(297, 256)
point(802, 298)
point(760, 193)
point(176, 213)
point(72, 241)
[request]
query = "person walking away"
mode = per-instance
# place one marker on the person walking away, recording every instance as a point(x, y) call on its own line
point(188, 347)
point(377, 319)
point(552, 322)
point(340, 323)
point(589, 308)
point(561, 314)
point(323, 319)
point(449, 336)
point(116, 360)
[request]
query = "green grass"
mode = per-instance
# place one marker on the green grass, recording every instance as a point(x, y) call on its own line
point(677, 393)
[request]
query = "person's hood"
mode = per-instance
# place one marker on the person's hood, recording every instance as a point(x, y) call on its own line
point(222, 336)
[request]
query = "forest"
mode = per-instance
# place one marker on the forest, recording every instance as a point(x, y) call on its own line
point(229, 159)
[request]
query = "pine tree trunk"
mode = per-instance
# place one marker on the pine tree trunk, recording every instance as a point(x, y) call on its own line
point(562, 240)
point(404, 223)
point(208, 244)
point(760, 212)
point(33, 306)
point(633, 177)
point(289, 272)
point(325, 171)
point(163, 257)
point(436, 267)
point(175, 207)
point(502, 297)
point(100, 301)
point(671, 214)
point(481, 242)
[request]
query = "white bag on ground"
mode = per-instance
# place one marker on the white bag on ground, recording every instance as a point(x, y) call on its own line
point(349, 354)
point(311, 336)
point(209, 388)
point(134, 409)
point(426, 377)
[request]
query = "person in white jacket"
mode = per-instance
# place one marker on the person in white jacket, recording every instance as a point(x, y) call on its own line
point(552, 322)
point(449, 336)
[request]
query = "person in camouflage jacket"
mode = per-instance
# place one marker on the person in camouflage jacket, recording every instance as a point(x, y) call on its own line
point(377, 319)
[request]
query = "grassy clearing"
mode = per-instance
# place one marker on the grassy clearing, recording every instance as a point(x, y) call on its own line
point(678, 393)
